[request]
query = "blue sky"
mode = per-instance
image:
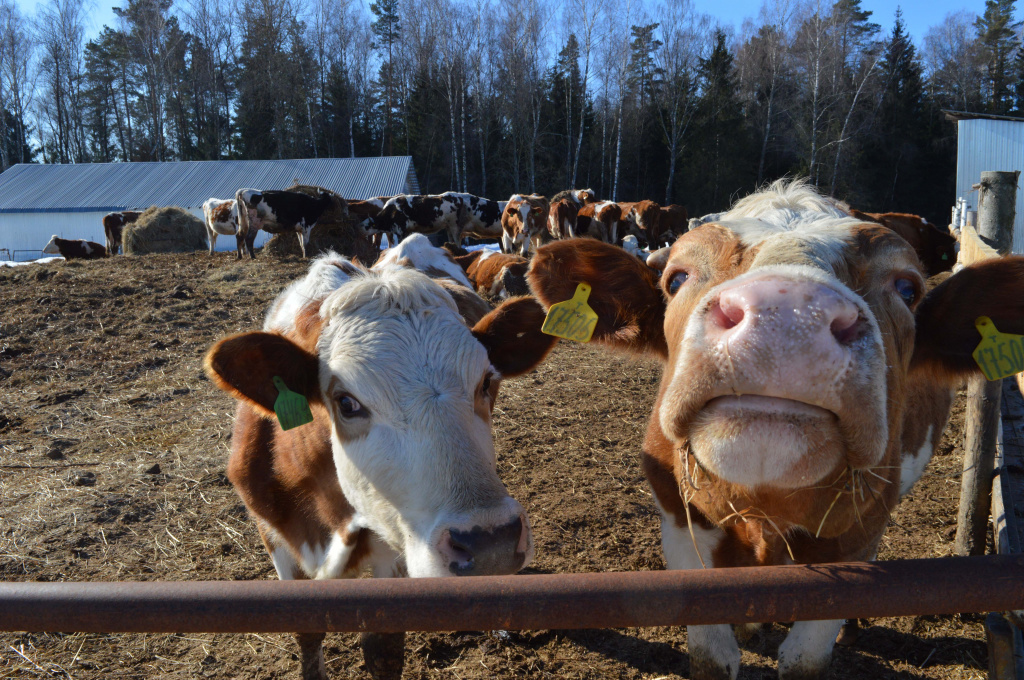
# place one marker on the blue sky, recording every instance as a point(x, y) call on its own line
point(918, 14)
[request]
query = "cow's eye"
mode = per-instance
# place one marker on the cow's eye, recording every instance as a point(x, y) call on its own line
point(350, 408)
point(676, 282)
point(906, 289)
point(485, 387)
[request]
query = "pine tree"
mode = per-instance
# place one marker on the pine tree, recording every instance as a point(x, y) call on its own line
point(642, 69)
point(997, 32)
point(386, 28)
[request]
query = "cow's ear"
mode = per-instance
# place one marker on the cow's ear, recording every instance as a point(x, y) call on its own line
point(946, 335)
point(511, 333)
point(624, 291)
point(245, 365)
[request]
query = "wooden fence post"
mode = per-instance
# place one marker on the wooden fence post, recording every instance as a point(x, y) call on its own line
point(996, 211)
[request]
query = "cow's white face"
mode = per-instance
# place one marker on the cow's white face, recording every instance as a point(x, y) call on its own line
point(409, 391)
point(51, 247)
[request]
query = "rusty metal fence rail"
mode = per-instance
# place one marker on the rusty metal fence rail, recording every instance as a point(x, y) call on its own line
point(600, 600)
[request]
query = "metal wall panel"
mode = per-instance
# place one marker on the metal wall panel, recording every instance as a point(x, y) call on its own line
point(137, 186)
point(986, 145)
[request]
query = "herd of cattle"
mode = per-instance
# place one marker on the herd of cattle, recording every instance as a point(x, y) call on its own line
point(808, 374)
point(521, 224)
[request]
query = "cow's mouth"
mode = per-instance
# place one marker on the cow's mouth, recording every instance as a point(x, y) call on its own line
point(758, 406)
point(755, 440)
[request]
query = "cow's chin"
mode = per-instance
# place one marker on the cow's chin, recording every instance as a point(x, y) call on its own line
point(765, 441)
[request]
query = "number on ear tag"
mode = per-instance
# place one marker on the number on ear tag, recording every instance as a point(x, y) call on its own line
point(999, 355)
point(292, 408)
point(572, 319)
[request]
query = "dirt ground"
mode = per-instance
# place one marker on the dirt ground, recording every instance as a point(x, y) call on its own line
point(112, 453)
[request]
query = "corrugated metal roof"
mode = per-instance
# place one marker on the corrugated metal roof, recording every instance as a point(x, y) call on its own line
point(985, 144)
point(91, 187)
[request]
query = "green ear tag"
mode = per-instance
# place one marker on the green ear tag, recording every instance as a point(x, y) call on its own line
point(572, 319)
point(292, 408)
point(945, 256)
point(998, 354)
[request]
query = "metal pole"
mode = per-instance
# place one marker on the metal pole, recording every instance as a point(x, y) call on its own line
point(996, 211)
point(600, 600)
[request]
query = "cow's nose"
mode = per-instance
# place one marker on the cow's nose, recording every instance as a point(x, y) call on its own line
point(481, 552)
point(805, 312)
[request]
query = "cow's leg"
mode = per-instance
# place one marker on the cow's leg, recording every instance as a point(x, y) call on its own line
point(807, 650)
point(250, 239)
point(383, 653)
point(311, 655)
point(714, 653)
point(212, 238)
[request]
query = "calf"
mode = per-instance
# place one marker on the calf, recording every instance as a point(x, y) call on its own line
point(113, 228)
point(74, 249)
point(221, 217)
point(396, 472)
point(523, 223)
point(799, 346)
point(936, 248)
point(281, 211)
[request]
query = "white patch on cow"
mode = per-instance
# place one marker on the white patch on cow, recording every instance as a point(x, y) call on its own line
point(327, 273)
point(632, 246)
point(806, 651)
point(423, 255)
point(86, 247)
point(285, 564)
point(913, 463)
point(51, 247)
point(715, 643)
point(924, 221)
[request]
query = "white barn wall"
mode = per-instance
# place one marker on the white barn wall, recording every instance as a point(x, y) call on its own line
point(996, 145)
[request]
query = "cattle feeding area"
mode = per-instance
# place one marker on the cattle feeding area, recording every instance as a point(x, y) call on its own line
point(113, 446)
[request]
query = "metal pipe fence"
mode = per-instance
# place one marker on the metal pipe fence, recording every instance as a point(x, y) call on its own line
point(598, 600)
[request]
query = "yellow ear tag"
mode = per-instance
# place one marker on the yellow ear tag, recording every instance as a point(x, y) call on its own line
point(999, 355)
point(572, 319)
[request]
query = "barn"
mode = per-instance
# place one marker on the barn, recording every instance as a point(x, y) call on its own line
point(37, 201)
point(989, 142)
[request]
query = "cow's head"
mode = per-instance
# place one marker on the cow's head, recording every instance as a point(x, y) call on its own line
point(407, 390)
point(51, 246)
point(524, 218)
point(788, 332)
point(585, 196)
point(644, 222)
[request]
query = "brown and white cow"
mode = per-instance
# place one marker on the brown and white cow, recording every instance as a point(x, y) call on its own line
point(221, 217)
point(601, 220)
point(113, 228)
point(396, 474)
point(74, 249)
point(562, 218)
point(282, 211)
point(799, 346)
point(496, 274)
point(524, 223)
point(936, 248)
point(580, 197)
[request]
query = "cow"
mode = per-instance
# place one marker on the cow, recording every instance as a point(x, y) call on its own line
point(631, 244)
point(407, 214)
point(221, 217)
point(936, 248)
point(370, 208)
point(113, 228)
point(494, 273)
point(580, 197)
point(601, 220)
point(74, 249)
point(643, 221)
point(481, 217)
point(396, 472)
point(808, 375)
point(562, 218)
point(524, 222)
point(674, 223)
point(281, 211)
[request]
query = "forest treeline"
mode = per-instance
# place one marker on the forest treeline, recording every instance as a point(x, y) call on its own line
point(501, 96)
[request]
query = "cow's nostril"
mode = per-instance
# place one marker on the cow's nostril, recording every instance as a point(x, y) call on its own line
point(845, 327)
point(726, 313)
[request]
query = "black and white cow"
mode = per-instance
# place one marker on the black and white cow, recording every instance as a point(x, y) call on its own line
point(277, 212)
point(74, 249)
point(414, 214)
point(482, 216)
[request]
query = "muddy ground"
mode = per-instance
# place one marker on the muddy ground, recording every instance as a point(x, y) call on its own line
point(112, 453)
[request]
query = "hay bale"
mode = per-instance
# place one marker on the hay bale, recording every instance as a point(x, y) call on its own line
point(334, 232)
point(164, 230)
